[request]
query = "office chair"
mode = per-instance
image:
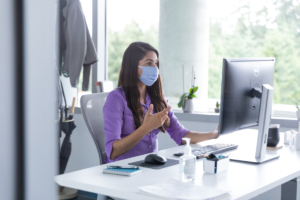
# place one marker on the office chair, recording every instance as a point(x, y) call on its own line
point(92, 111)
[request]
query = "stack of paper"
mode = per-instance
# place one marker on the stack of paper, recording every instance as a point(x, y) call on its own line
point(175, 189)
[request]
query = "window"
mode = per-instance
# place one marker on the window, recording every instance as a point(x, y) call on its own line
point(237, 28)
point(258, 29)
point(129, 21)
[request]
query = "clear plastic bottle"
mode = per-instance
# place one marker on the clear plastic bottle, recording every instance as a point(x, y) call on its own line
point(292, 143)
point(298, 138)
point(187, 163)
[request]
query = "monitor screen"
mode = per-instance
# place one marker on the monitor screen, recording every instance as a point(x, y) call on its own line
point(238, 108)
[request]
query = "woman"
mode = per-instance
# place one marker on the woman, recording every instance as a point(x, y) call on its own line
point(137, 111)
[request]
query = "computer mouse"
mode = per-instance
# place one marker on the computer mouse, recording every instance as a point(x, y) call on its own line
point(155, 159)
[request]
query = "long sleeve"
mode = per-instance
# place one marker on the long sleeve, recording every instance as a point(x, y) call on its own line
point(175, 129)
point(113, 120)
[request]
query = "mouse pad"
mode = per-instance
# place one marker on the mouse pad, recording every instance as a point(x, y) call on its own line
point(141, 163)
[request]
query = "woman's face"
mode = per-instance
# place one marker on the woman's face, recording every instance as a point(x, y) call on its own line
point(149, 60)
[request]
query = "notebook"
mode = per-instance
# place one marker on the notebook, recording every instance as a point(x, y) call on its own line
point(123, 172)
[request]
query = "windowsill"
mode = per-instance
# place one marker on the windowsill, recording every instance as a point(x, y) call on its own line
point(214, 118)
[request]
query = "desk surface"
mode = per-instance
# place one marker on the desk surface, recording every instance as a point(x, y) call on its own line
point(244, 180)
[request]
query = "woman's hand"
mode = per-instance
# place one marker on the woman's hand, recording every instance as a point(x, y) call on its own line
point(154, 121)
point(216, 133)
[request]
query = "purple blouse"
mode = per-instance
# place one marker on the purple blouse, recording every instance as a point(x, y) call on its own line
point(119, 123)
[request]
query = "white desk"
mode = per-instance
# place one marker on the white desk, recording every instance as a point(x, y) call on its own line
point(244, 180)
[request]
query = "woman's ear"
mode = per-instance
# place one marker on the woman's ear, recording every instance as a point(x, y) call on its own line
point(139, 71)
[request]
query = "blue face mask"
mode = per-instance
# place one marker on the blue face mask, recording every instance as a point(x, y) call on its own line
point(149, 75)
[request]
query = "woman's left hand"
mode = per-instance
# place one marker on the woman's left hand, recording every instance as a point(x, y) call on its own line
point(216, 133)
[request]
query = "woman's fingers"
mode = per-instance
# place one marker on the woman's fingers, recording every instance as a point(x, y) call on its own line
point(163, 119)
point(167, 109)
point(157, 119)
point(149, 110)
point(164, 111)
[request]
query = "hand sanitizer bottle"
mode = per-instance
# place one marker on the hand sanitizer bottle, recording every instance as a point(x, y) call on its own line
point(187, 163)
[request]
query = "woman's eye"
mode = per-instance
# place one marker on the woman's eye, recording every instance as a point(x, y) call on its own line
point(148, 63)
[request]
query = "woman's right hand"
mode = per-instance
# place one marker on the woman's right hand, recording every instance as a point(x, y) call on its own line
point(154, 121)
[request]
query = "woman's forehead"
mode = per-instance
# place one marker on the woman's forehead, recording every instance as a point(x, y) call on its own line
point(150, 55)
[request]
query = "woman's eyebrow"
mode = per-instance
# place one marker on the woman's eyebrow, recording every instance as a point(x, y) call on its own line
point(150, 60)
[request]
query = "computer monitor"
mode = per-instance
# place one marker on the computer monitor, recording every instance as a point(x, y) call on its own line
point(246, 98)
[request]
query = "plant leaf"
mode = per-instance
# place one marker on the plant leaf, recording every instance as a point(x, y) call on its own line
point(191, 90)
point(217, 104)
point(181, 100)
point(195, 89)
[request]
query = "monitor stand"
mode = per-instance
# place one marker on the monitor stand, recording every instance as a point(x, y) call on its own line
point(263, 129)
point(252, 159)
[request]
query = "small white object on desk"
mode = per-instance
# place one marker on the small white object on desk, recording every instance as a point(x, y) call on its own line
point(287, 135)
point(297, 138)
point(292, 142)
point(213, 167)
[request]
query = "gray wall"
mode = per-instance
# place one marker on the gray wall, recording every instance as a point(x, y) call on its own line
point(8, 174)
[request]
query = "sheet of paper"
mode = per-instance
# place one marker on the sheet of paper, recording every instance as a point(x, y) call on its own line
point(175, 189)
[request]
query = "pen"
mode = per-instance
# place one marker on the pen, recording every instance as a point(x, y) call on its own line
point(121, 167)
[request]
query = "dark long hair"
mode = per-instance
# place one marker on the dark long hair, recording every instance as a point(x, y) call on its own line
point(128, 79)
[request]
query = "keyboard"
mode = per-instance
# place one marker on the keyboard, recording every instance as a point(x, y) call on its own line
point(215, 149)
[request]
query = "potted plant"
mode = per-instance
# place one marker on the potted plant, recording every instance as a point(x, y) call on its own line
point(217, 109)
point(186, 100)
point(298, 111)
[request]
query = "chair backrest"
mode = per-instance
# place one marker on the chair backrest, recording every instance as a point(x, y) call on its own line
point(92, 111)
